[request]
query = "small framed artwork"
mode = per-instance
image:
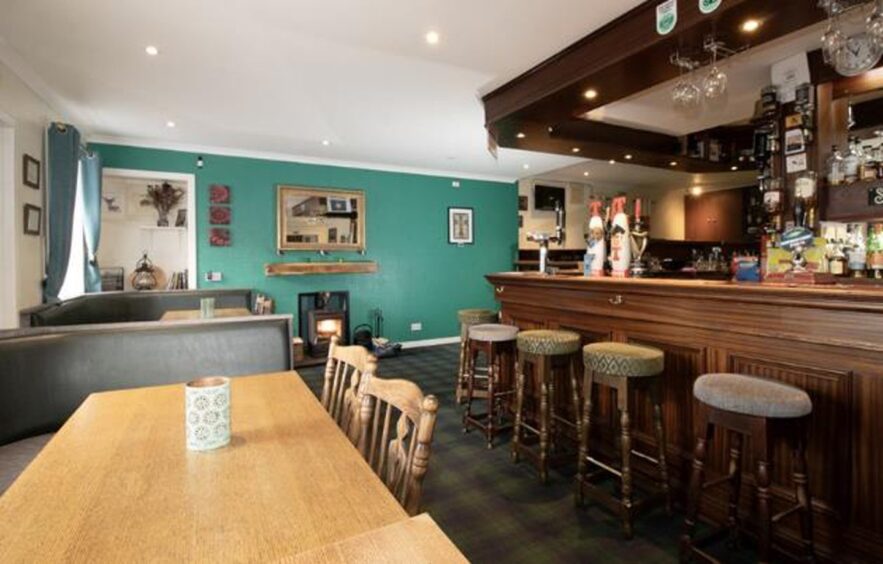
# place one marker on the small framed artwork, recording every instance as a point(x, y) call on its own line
point(794, 142)
point(219, 237)
point(522, 203)
point(460, 226)
point(31, 172)
point(219, 215)
point(219, 194)
point(33, 220)
point(181, 219)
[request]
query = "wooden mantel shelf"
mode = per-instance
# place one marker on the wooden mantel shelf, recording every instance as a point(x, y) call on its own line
point(305, 268)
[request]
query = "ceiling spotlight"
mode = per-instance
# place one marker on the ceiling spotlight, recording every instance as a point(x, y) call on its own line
point(611, 161)
point(525, 166)
point(673, 163)
point(433, 37)
point(628, 157)
point(199, 162)
point(696, 190)
point(326, 142)
point(586, 173)
point(590, 94)
point(575, 150)
point(151, 50)
point(750, 26)
point(734, 168)
point(170, 124)
point(551, 129)
point(521, 135)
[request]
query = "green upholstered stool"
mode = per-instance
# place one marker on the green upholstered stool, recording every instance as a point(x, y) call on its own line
point(468, 318)
point(764, 410)
point(624, 368)
point(497, 343)
point(550, 353)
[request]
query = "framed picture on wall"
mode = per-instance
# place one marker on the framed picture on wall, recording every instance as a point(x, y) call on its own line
point(460, 226)
point(33, 220)
point(31, 172)
point(219, 215)
point(219, 194)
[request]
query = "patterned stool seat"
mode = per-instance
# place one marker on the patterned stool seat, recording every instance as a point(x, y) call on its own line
point(752, 396)
point(493, 332)
point(548, 342)
point(620, 359)
point(476, 316)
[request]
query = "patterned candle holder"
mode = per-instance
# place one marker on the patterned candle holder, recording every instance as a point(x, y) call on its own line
point(207, 308)
point(207, 413)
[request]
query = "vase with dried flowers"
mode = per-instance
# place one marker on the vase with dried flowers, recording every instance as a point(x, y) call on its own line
point(163, 197)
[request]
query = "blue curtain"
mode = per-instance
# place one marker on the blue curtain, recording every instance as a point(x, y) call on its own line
point(63, 147)
point(91, 172)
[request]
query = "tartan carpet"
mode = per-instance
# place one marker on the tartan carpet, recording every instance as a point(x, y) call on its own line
point(496, 511)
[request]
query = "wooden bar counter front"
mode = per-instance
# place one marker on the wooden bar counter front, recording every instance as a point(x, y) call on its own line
point(827, 341)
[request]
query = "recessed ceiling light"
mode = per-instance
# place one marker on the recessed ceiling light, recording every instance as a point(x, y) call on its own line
point(611, 161)
point(750, 26)
point(551, 129)
point(521, 135)
point(170, 124)
point(575, 150)
point(590, 94)
point(326, 142)
point(628, 157)
point(151, 50)
point(433, 37)
point(673, 163)
point(525, 166)
point(734, 168)
point(696, 190)
point(586, 173)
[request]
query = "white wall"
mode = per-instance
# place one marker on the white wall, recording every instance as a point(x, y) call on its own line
point(126, 234)
point(31, 116)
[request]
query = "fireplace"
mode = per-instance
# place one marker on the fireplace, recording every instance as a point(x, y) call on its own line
point(321, 316)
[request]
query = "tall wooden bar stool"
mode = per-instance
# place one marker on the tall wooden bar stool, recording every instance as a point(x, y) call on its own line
point(497, 344)
point(624, 368)
point(548, 352)
point(759, 409)
point(468, 318)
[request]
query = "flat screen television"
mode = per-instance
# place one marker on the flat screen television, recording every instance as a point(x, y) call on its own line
point(545, 197)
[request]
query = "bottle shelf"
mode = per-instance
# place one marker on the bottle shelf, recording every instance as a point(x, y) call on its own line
point(850, 202)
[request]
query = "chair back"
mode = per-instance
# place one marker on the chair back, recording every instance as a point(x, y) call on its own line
point(346, 369)
point(397, 423)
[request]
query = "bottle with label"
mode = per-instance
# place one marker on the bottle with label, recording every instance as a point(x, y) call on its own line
point(869, 163)
point(851, 162)
point(596, 250)
point(837, 263)
point(620, 240)
point(834, 167)
point(805, 190)
point(875, 250)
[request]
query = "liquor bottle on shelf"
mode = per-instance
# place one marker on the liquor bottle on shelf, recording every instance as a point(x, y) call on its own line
point(852, 161)
point(875, 250)
point(805, 196)
point(868, 164)
point(837, 263)
point(834, 167)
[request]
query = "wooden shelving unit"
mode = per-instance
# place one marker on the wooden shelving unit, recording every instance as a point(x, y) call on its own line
point(850, 202)
point(314, 268)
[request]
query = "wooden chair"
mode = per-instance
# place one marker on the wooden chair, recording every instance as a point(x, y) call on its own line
point(399, 455)
point(347, 368)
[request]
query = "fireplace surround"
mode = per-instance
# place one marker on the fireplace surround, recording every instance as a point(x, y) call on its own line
point(322, 315)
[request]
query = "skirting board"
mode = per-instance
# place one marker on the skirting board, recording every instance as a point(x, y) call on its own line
point(430, 342)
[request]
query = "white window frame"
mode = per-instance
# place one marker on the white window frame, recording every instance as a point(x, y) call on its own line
point(8, 235)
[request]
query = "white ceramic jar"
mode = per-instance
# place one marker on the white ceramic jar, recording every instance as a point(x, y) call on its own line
point(207, 413)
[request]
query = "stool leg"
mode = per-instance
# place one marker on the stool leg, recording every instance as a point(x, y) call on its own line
point(519, 407)
point(761, 451)
point(492, 375)
point(735, 473)
point(659, 424)
point(585, 433)
point(544, 376)
point(472, 354)
point(694, 494)
point(625, 425)
point(804, 498)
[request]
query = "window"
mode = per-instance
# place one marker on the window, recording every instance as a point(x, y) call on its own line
point(75, 278)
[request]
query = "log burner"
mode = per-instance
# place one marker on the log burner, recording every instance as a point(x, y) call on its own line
point(321, 316)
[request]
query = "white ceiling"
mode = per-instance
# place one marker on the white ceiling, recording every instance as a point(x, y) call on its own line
point(279, 76)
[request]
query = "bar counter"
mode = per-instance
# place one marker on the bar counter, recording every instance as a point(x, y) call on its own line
point(827, 340)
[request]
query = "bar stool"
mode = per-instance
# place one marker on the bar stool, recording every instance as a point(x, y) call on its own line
point(497, 344)
point(624, 368)
point(547, 351)
point(759, 409)
point(468, 318)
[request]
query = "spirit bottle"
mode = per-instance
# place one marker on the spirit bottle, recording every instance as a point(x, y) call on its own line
point(834, 167)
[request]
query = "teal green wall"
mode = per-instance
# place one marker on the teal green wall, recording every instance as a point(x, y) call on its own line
point(421, 278)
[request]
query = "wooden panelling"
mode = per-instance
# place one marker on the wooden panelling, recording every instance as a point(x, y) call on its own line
point(827, 341)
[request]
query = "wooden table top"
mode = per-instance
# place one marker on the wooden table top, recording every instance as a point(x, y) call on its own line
point(185, 314)
point(417, 540)
point(117, 483)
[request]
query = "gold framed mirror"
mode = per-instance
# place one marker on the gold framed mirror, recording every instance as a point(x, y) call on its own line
point(319, 219)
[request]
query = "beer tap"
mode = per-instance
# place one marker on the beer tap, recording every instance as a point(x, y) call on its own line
point(543, 239)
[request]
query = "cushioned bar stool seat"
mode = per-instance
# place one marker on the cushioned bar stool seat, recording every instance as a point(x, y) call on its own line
point(497, 343)
point(468, 318)
point(760, 409)
point(623, 367)
point(752, 396)
point(550, 353)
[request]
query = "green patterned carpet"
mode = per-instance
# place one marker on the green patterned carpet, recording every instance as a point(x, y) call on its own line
point(496, 511)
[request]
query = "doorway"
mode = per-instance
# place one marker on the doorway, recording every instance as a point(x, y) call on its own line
point(132, 227)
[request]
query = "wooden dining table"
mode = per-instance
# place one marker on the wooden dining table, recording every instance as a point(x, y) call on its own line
point(188, 314)
point(117, 483)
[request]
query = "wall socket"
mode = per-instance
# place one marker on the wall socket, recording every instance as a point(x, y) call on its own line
point(417, 326)
point(213, 276)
